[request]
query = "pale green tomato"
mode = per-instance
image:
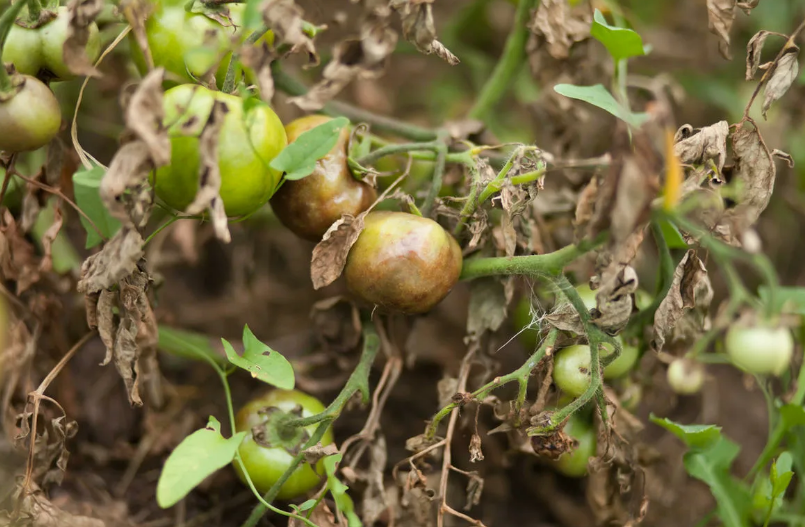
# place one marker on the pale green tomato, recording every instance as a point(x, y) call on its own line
point(761, 350)
point(571, 367)
point(685, 376)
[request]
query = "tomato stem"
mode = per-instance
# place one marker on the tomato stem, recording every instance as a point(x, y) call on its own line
point(6, 21)
point(436, 178)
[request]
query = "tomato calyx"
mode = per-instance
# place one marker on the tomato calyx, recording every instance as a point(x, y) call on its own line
point(274, 432)
point(16, 84)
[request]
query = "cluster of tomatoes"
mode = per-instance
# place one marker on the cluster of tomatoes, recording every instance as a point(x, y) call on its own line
point(400, 263)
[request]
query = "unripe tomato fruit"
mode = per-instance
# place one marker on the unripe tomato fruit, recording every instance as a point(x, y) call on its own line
point(571, 366)
point(247, 142)
point(402, 262)
point(587, 296)
point(761, 350)
point(574, 464)
point(30, 118)
point(267, 464)
point(42, 48)
point(685, 376)
point(309, 206)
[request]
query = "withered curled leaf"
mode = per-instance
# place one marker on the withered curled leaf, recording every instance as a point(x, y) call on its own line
point(284, 18)
point(710, 142)
point(81, 14)
point(561, 25)
point(785, 71)
point(419, 29)
point(489, 299)
point(720, 16)
point(330, 254)
point(115, 261)
point(754, 50)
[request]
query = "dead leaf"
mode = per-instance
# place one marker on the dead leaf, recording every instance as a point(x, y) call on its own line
point(315, 453)
point(754, 50)
point(614, 302)
point(785, 71)
point(419, 29)
point(475, 449)
point(561, 25)
point(690, 286)
point(46, 264)
point(284, 18)
point(489, 302)
point(145, 115)
point(330, 254)
point(136, 13)
point(695, 147)
point(209, 185)
point(115, 261)
point(37, 511)
point(122, 184)
point(720, 16)
point(259, 57)
point(81, 15)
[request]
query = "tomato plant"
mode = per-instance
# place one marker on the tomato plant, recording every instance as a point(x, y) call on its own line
point(249, 138)
point(41, 49)
point(266, 453)
point(310, 205)
point(760, 349)
point(402, 262)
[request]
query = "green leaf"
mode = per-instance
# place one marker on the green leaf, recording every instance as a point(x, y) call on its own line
point(697, 437)
point(261, 361)
point(792, 415)
point(298, 159)
point(599, 96)
point(188, 344)
point(781, 475)
point(86, 187)
point(307, 505)
point(672, 235)
point(194, 459)
point(621, 42)
point(789, 299)
point(339, 491)
point(712, 466)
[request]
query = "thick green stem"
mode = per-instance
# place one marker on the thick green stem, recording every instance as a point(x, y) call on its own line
point(291, 86)
point(520, 375)
point(436, 180)
point(513, 55)
point(6, 21)
point(535, 265)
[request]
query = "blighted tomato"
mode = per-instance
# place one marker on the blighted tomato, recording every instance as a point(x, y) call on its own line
point(309, 206)
point(403, 263)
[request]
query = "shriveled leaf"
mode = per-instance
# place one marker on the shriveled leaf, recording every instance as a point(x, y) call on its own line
point(755, 174)
point(259, 58)
point(754, 50)
point(317, 452)
point(145, 115)
point(614, 303)
point(81, 14)
point(710, 142)
point(261, 361)
point(621, 42)
point(419, 29)
point(690, 288)
point(560, 25)
point(720, 16)
point(298, 159)
point(124, 187)
point(49, 236)
point(330, 254)
point(284, 18)
point(117, 260)
point(86, 187)
point(36, 510)
point(785, 71)
point(208, 194)
point(488, 306)
point(599, 96)
point(200, 454)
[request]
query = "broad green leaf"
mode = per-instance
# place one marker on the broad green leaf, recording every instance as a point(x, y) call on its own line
point(298, 159)
point(697, 437)
point(599, 96)
point(261, 361)
point(188, 344)
point(621, 42)
point(86, 187)
point(307, 505)
point(792, 415)
point(194, 459)
point(672, 235)
point(781, 475)
point(339, 491)
point(790, 299)
point(712, 466)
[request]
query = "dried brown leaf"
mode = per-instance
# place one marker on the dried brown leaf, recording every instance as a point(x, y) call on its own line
point(104, 316)
point(708, 143)
point(37, 511)
point(284, 18)
point(209, 185)
point(585, 207)
point(614, 302)
point(720, 15)
point(136, 13)
point(46, 264)
point(145, 115)
point(475, 449)
point(754, 50)
point(488, 305)
point(81, 15)
point(259, 58)
point(315, 453)
point(330, 254)
point(690, 284)
point(122, 184)
point(561, 25)
point(755, 171)
point(785, 71)
point(115, 261)
point(419, 29)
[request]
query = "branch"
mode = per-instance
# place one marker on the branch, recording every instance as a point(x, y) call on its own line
point(508, 64)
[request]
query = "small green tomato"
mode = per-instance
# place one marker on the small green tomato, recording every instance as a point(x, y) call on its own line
point(685, 376)
point(571, 367)
point(762, 350)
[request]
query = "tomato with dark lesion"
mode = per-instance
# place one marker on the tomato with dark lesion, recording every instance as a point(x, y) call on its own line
point(309, 206)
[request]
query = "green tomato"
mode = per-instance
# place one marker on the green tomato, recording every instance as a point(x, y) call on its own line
point(403, 263)
point(571, 367)
point(685, 376)
point(250, 137)
point(30, 118)
point(762, 350)
point(574, 464)
point(587, 296)
point(266, 464)
point(42, 49)
point(643, 299)
point(189, 44)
